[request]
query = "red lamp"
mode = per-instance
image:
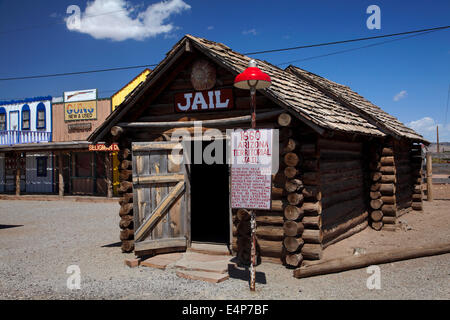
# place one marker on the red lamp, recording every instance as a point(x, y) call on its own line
point(251, 79)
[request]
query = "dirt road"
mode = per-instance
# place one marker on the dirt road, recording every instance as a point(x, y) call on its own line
point(39, 240)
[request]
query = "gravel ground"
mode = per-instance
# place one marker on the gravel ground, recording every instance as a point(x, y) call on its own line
point(40, 239)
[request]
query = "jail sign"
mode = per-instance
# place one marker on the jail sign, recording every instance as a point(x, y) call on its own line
point(84, 110)
point(204, 100)
point(251, 168)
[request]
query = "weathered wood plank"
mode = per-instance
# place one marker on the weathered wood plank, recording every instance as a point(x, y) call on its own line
point(160, 243)
point(160, 210)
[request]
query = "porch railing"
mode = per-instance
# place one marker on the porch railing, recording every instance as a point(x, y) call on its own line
point(10, 137)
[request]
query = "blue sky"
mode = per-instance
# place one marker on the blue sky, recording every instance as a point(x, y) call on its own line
point(34, 39)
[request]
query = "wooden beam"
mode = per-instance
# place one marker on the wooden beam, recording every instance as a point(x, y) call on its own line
point(162, 178)
point(152, 146)
point(356, 262)
point(204, 123)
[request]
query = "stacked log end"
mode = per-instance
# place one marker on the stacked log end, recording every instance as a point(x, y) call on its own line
point(416, 175)
point(375, 164)
point(126, 223)
point(387, 202)
point(301, 211)
point(302, 215)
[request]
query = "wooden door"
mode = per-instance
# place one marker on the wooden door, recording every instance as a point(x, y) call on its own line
point(159, 197)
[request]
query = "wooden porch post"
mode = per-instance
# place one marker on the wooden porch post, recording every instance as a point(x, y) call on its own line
point(108, 174)
point(60, 174)
point(18, 178)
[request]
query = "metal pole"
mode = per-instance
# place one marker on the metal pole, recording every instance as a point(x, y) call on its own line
point(253, 251)
point(252, 212)
point(253, 106)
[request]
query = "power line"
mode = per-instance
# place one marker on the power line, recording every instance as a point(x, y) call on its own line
point(346, 41)
point(55, 95)
point(248, 53)
point(353, 49)
point(77, 72)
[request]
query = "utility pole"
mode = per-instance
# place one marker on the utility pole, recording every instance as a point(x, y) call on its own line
point(437, 137)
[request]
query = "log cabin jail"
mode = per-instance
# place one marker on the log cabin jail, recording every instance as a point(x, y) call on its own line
point(345, 164)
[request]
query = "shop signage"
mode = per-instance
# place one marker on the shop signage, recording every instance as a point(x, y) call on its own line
point(86, 110)
point(204, 100)
point(251, 168)
point(102, 147)
point(80, 95)
point(79, 126)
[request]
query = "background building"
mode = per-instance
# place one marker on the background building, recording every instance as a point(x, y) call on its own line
point(44, 148)
point(25, 122)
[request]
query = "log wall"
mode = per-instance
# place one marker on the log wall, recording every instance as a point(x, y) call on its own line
point(396, 182)
point(342, 177)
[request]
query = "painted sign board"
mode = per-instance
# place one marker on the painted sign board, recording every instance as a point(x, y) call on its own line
point(102, 147)
point(80, 95)
point(251, 168)
point(204, 100)
point(85, 110)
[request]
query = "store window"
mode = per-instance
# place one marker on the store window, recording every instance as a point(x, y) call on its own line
point(25, 117)
point(41, 165)
point(40, 123)
point(2, 119)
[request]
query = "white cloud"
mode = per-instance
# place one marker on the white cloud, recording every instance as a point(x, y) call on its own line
point(427, 128)
point(210, 27)
point(402, 94)
point(250, 31)
point(118, 20)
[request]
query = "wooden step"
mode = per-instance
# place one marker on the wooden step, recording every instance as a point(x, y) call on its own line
point(210, 248)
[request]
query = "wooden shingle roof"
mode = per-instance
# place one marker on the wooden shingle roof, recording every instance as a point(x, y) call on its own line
point(352, 99)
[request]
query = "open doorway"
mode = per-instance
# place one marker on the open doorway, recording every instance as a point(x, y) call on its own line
point(210, 210)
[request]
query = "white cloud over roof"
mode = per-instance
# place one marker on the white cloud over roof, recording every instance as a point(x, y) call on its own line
point(118, 20)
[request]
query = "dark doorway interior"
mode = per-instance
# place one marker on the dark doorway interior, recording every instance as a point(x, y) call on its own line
point(210, 215)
